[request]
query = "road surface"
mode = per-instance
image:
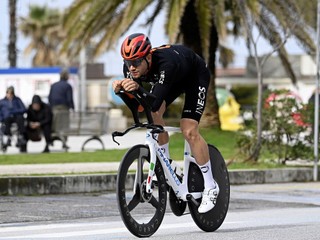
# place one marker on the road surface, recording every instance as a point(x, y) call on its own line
point(267, 211)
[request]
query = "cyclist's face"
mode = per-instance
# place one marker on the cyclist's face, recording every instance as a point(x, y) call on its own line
point(139, 67)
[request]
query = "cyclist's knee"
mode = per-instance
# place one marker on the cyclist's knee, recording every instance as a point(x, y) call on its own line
point(189, 129)
point(191, 135)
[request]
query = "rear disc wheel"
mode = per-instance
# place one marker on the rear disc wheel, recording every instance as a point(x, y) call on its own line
point(213, 219)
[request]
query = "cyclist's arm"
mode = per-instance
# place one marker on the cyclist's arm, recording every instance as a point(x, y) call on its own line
point(116, 86)
point(126, 84)
point(167, 76)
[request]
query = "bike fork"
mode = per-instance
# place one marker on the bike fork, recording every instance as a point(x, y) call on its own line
point(153, 159)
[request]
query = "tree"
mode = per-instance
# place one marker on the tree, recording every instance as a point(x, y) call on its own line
point(248, 20)
point(12, 50)
point(267, 27)
point(197, 23)
point(106, 22)
point(309, 11)
point(43, 26)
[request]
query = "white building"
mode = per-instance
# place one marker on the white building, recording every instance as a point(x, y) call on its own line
point(30, 81)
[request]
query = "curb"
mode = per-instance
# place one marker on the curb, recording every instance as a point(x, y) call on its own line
point(66, 184)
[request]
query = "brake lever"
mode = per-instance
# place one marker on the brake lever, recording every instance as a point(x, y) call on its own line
point(117, 134)
point(120, 134)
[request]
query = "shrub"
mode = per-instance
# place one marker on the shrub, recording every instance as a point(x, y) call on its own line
point(286, 128)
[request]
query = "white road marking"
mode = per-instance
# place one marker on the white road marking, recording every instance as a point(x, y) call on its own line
point(170, 225)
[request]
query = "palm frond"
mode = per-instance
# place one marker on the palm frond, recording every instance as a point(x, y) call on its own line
point(175, 12)
point(220, 16)
point(74, 13)
point(204, 11)
point(122, 21)
point(156, 12)
point(269, 31)
point(226, 56)
point(43, 27)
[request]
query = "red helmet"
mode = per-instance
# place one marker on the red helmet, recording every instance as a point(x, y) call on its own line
point(135, 46)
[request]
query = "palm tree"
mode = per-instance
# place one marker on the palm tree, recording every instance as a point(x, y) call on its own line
point(43, 26)
point(309, 10)
point(12, 50)
point(196, 23)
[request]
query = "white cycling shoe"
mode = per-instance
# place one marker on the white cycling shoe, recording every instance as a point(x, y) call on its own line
point(209, 199)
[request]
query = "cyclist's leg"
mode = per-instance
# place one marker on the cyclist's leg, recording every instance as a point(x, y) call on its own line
point(199, 147)
point(166, 94)
point(158, 119)
point(157, 116)
point(195, 100)
point(163, 138)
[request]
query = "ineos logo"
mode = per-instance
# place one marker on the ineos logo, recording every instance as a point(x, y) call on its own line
point(201, 100)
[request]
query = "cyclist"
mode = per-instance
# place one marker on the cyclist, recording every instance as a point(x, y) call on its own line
point(172, 70)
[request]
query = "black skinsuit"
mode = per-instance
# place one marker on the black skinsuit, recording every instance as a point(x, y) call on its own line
point(176, 69)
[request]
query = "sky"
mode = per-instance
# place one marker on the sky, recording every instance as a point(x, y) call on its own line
point(111, 59)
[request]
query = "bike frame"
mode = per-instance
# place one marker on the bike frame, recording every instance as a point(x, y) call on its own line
point(179, 188)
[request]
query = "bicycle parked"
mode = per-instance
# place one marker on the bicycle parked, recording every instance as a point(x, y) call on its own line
point(146, 177)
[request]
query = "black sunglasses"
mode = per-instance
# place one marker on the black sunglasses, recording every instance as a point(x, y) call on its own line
point(134, 63)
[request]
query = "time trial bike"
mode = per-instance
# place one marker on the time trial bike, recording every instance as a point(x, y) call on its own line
point(146, 177)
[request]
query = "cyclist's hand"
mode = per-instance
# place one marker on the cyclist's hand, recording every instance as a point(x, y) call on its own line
point(129, 85)
point(116, 85)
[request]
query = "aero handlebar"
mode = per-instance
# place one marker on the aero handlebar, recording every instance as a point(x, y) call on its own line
point(138, 101)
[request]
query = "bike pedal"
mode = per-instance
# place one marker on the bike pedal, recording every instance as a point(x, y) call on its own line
point(190, 198)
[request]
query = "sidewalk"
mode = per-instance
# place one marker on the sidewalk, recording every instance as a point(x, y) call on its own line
point(75, 143)
point(61, 168)
point(96, 177)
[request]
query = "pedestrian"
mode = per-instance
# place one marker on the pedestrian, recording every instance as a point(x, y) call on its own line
point(61, 93)
point(61, 101)
point(172, 70)
point(12, 111)
point(39, 120)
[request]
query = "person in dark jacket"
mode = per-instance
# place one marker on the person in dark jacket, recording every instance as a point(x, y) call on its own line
point(11, 111)
point(39, 119)
point(61, 93)
point(61, 101)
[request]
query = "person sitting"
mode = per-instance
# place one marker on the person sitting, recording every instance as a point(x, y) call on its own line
point(39, 120)
point(12, 110)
